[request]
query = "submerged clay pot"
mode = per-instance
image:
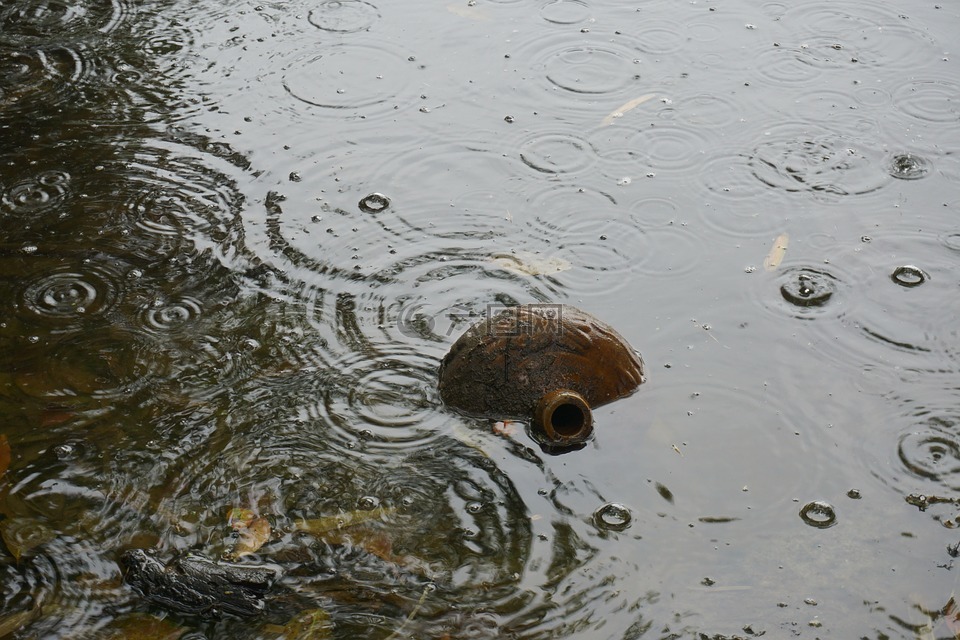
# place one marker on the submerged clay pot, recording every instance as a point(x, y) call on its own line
point(548, 362)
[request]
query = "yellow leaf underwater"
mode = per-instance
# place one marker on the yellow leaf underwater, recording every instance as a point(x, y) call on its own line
point(4, 454)
point(530, 264)
point(330, 524)
point(624, 108)
point(23, 535)
point(777, 251)
point(253, 535)
point(313, 624)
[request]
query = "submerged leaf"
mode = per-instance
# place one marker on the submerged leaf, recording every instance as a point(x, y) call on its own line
point(777, 251)
point(23, 535)
point(331, 524)
point(140, 626)
point(239, 517)
point(624, 108)
point(530, 264)
point(17, 621)
point(4, 454)
point(253, 535)
point(313, 624)
point(951, 617)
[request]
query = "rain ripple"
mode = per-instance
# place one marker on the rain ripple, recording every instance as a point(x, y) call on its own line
point(889, 313)
point(39, 18)
point(737, 203)
point(172, 316)
point(112, 364)
point(344, 16)
point(565, 12)
point(926, 458)
point(421, 180)
point(383, 401)
point(595, 245)
point(882, 36)
point(929, 99)
point(364, 78)
point(932, 452)
point(581, 71)
point(73, 294)
point(43, 77)
point(806, 158)
point(36, 196)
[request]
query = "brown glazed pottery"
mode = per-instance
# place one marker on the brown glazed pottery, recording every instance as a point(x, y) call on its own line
point(548, 362)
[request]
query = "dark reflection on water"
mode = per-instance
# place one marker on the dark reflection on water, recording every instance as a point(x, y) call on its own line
point(199, 312)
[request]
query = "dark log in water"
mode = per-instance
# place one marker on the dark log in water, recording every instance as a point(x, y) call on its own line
point(198, 586)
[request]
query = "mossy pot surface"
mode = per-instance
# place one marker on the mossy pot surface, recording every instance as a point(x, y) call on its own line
point(502, 366)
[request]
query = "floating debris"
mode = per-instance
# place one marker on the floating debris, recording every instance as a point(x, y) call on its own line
point(530, 264)
point(776, 253)
point(624, 108)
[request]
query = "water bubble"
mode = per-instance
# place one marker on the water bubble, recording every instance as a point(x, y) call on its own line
point(908, 276)
point(66, 451)
point(374, 203)
point(819, 514)
point(854, 494)
point(368, 503)
point(612, 516)
point(908, 167)
point(808, 288)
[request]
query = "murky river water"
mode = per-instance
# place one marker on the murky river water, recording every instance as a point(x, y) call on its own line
point(202, 311)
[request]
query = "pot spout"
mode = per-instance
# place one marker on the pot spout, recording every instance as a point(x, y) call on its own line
point(563, 417)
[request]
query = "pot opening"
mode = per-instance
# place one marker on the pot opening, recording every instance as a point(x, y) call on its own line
point(567, 420)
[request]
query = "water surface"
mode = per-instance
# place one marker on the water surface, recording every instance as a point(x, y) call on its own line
point(201, 312)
